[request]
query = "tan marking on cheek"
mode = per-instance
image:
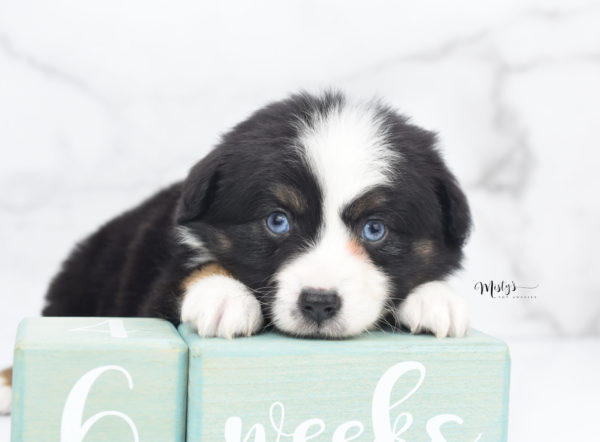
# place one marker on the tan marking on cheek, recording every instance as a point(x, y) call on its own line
point(204, 272)
point(356, 249)
point(424, 248)
point(6, 374)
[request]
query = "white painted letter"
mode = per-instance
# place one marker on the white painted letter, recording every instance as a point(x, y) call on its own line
point(341, 433)
point(380, 408)
point(301, 430)
point(233, 431)
point(434, 424)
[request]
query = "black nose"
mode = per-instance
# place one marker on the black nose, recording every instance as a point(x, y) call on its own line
point(319, 305)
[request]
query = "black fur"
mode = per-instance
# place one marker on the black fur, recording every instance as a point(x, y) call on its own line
point(135, 265)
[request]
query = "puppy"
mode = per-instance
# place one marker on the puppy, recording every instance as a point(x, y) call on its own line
point(317, 216)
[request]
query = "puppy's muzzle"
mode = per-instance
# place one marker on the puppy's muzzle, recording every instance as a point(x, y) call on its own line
point(318, 305)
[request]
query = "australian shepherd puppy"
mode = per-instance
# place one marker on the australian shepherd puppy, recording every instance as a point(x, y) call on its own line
point(317, 216)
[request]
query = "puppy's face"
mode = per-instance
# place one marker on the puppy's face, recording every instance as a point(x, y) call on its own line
point(330, 212)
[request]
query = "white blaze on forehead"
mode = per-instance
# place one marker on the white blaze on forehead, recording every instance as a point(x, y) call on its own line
point(347, 151)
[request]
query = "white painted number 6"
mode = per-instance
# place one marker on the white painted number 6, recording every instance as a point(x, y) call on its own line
point(71, 428)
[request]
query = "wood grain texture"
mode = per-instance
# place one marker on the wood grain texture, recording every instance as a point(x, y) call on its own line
point(53, 355)
point(335, 382)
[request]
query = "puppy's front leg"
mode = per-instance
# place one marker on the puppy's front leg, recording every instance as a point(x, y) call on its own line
point(216, 304)
point(434, 307)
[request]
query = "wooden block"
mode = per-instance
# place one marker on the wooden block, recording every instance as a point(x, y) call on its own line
point(380, 386)
point(99, 379)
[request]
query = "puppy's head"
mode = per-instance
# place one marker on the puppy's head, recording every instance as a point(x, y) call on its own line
point(331, 211)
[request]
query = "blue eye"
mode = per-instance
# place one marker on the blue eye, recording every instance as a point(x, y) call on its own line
point(278, 223)
point(373, 230)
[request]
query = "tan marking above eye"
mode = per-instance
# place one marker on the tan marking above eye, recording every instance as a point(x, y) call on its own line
point(288, 196)
point(367, 203)
point(204, 272)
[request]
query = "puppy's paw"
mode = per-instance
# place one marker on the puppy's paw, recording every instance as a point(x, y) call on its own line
point(436, 308)
point(221, 306)
point(5, 396)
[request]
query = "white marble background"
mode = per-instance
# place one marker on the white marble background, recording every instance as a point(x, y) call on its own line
point(102, 103)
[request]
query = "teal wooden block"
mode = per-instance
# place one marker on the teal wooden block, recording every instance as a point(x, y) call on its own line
point(381, 386)
point(98, 379)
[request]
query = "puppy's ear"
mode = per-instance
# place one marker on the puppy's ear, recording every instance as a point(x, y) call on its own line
point(199, 189)
point(456, 216)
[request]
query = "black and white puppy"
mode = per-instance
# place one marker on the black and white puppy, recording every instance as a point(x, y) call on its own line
point(317, 216)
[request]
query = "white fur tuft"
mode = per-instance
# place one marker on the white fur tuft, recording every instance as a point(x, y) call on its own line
point(221, 306)
point(348, 154)
point(435, 307)
point(347, 151)
point(201, 254)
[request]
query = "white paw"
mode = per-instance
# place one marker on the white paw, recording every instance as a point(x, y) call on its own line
point(5, 397)
point(221, 306)
point(436, 308)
